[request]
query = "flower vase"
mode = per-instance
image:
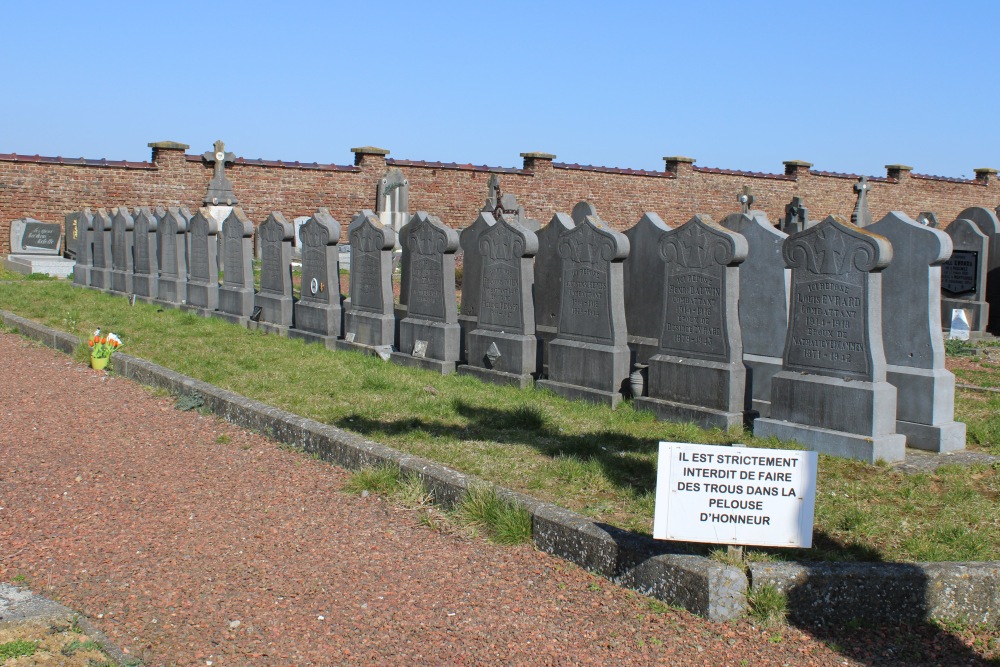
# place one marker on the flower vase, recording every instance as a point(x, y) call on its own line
point(99, 363)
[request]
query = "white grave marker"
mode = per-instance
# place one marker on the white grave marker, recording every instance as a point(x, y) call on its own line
point(735, 495)
point(960, 328)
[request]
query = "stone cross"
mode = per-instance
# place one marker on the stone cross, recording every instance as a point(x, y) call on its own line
point(746, 199)
point(220, 190)
point(796, 216)
point(862, 216)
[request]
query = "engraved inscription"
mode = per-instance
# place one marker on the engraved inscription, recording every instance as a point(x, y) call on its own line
point(270, 277)
point(141, 250)
point(199, 251)
point(313, 269)
point(118, 245)
point(694, 317)
point(500, 298)
point(168, 247)
point(427, 287)
point(829, 325)
point(958, 274)
point(366, 281)
point(586, 303)
point(234, 258)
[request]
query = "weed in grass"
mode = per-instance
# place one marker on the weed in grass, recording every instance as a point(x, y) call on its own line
point(502, 520)
point(19, 578)
point(77, 645)
point(382, 479)
point(222, 439)
point(189, 402)
point(594, 588)
point(19, 648)
point(767, 605)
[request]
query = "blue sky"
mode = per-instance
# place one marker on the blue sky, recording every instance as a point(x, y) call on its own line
point(849, 86)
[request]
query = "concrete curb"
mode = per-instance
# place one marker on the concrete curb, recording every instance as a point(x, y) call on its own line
point(817, 592)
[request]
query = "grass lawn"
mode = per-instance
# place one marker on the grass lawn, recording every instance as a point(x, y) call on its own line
point(591, 459)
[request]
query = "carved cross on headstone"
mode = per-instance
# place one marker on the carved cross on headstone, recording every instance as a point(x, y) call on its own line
point(862, 216)
point(746, 199)
point(220, 190)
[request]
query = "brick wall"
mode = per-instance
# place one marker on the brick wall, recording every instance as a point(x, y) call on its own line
point(48, 188)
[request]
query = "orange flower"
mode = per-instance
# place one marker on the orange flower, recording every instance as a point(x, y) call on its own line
point(91, 342)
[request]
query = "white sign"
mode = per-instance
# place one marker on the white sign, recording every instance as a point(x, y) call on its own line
point(735, 495)
point(959, 325)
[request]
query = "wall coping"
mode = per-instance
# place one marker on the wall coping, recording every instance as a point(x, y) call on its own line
point(76, 162)
point(313, 166)
point(421, 164)
point(169, 145)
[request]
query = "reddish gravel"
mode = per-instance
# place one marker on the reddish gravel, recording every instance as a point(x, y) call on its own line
point(190, 541)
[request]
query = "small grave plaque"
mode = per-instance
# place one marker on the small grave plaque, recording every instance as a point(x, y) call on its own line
point(959, 274)
point(959, 325)
point(33, 237)
point(420, 349)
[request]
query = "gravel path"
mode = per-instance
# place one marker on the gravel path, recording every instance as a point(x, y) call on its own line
point(189, 541)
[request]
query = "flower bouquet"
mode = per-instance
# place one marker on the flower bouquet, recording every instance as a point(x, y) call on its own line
point(101, 348)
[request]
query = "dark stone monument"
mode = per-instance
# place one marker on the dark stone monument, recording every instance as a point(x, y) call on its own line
point(100, 274)
point(429, 335)
point(34, 237)
point(146, 266)
point(171, 232)
point(698, 374)
point(796, 217)
point(928, 218)
point(368, 313)
point(122, 230)
point(644, 273)
point(499, 203)
point(220, 189)
point(589, 357)
point(71, 222)
point(963, 277)
point(275, 295)
point(84, 248)
point(317, 312)
point(832, 395)
point(502, 347)
point(547, 288)
point(203, 280)
point(862, 215)
point(472, 275)
point(763, 307)
point(911, 333)
point(236, 296)
point(988, 224)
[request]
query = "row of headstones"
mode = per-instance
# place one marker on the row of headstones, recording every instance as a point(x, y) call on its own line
point(696, 319)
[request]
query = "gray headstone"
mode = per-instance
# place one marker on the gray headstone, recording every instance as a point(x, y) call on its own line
point(275, 295)
point(34, 237)
point(318, 310)
point(548, 278)
point(911, 334)
point(499, 203)
point(862, 215)
point(472, 275)
point(220, 189)
point(502, 347)
point(589, 357)
point(369, 311)
point(297, 244)
point(698, 373)
point(963, 276)
point(100, 274)
point(392, 201)
point(236, 294)
point(432, 311)
point(122, 229)
point(72, 233)
point(832, 395)
point(171, 232)
point(796, 217)
point(203, 265)
point(764, 287)
point(928, 218)
point(146, 269)
point(989, 225)
point(582, 211)
point(644, 273)
point(84, 247)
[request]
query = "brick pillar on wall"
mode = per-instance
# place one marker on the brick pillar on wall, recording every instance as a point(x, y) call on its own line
point(174, 176)
point(797, 168)
point(679, 166)
point(540, 163)
point(371, 161)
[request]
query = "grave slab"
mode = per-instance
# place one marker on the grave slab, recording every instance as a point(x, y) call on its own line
point(203, 281)
point(171, 231)
point(35, 248)
point(236, 294)
point(100, 274)
point(547, 289)
point(145, 277)
point(472, 275)
point(275, 295)
point(122, 250)
point(84, 247)
point(644, 272)
point(317, 313)
point(369, 321)
point(963, 277)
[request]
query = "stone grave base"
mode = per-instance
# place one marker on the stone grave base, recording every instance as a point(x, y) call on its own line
point(578, 393)
point(467, 323)
point(708, 393)
point(241, 320)
point(197, 310)
point(236, 301)
point(518, 352)
point(348, 346)
point(925, 413)
point(497, 377)
point(277, 309)
point(889, 448)
point(317, 318)
point(329, 342)
point(81, 275)
point(978, 313)
point(121, 281)
point(588, 371)
point(442, 339)
point(269, 327)
point(203, 296)
point(370, 329)
point(760, 371)
point(703, 417)
point(545, 335)
point(99, 278)
point(171, 290)
point(145, 285)
point(442, 367)
point(51, 265)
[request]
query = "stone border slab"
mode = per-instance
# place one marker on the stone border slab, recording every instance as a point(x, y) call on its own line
point(817, 592)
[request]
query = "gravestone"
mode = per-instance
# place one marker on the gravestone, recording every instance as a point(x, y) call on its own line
point(220, 188)
point(203, 279)
point(831, 394)
point(589, 357)
point(275, 296)
point(988, 224)
point(71, 229)
point(644, 273)
point(236, 295)
point(100, 274)
point(963, 277)
point(911, 334)
point(745, 199)
point(928, 218)
point(122, 257)
point(392, 200)
point(796, 217)
point(368, 313)
point(297, 244)
point(763, 307)
point(862, 215)
point(34, 237)
point(146, 266)
point(547, 287)
point(317, 313)
point(171, 232)
point(698, 373)
point(499, 203)
point(502, 347)
point(429, 335)
point(472, 276)
point(84, 248)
